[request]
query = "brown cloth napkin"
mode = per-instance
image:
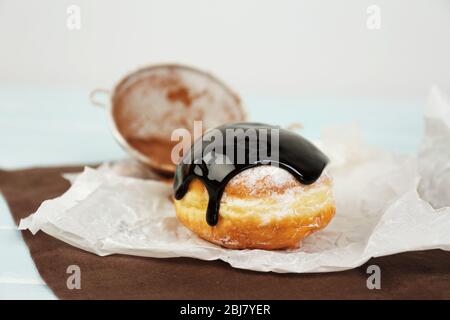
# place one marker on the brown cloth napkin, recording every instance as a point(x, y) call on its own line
point(412, 275)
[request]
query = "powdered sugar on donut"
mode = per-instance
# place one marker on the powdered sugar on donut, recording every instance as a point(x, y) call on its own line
point(270, 176)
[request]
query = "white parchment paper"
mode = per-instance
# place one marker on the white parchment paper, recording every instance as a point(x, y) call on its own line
point(379, 208)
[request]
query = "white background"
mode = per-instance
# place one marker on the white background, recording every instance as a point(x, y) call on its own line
point(295, 48)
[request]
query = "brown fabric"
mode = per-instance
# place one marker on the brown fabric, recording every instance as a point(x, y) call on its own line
point(414, 275)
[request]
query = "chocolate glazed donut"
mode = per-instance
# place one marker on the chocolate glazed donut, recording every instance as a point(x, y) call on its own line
point(294, 154)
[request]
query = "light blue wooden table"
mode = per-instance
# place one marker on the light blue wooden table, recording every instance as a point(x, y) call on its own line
point(54, 126)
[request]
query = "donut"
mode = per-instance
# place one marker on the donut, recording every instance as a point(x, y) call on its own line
point(263, 200)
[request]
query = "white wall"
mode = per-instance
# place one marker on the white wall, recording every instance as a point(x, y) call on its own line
point(276, 47)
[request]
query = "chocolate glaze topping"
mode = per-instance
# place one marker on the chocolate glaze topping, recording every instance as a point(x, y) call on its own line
point(205, 160)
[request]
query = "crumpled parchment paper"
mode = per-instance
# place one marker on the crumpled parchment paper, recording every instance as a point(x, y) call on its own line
point(379, 209)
